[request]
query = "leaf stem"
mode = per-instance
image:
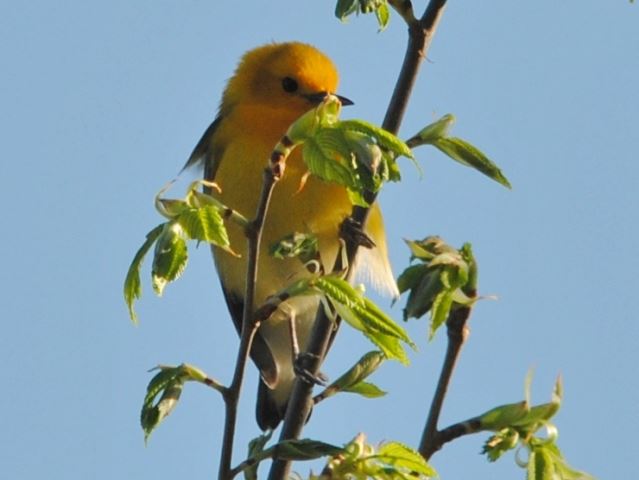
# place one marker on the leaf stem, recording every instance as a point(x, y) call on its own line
point(420, 35)
point(250, 324)
point(457, 334)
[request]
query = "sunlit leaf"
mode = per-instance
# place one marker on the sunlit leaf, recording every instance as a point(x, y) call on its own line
point(170, 256)
point(132, 284)
point(384, 138)
point(404, 458)
point(353, 379)
point(469, 155)
point(167, 384)
point(206, 225)
point(433, 132)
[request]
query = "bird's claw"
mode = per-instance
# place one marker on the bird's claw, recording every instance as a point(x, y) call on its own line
point(351, 230)
point(302, 372)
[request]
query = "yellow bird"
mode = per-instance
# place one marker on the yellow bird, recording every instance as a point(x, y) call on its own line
point(272, 86)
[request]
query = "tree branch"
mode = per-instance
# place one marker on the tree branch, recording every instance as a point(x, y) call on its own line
point(300, 403)
point(250, 322)
point(457, 334)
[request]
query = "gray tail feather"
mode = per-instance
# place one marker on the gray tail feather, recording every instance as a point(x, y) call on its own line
point(268, 414)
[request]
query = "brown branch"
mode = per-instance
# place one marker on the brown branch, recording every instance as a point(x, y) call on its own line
point(250, 322)
point(457, 334)
point(300, 403)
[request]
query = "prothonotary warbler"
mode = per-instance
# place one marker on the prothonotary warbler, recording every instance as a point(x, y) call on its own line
point(272, 86)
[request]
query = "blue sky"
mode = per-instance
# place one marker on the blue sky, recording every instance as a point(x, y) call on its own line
point(102, 103)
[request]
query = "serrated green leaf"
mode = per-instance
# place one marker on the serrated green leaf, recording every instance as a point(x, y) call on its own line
point(132, 284)
point(467, 154)
point(366, 389)
point(540, 466)
point(383, 138)
point(440, 311)
point(205, 224)
point(170, 257)
point(388, 344)
point(326, 162)
point(403, 457)
point(169, 383)
point(352, 379)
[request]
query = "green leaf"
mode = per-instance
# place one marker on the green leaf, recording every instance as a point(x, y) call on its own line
point(255, 451)
point(440, 311)
point(352, 379)
point(540, 466)
point(170, 256)
point(411, 277)
point(326, 155)
point(169, 383)
point(503, 416)
point(365, 389)
point(404, 459)
point(383, 16)
point(466, 154)
point(420, 300)
point(344, 8)
point(302, 245)
point(504, 440)
point(364, 315)
point(383, 138)
point(132, 284)
point(304, 449)
point(205, 224)
point(432, 132)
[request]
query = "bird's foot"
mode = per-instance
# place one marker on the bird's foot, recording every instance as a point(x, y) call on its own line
point(351, 230)
point(301, 369)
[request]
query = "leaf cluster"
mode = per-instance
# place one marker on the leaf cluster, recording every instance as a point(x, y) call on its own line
point(353, 153)
point(463, 152)
point(389, 461)
point(345, 8)
point(516, 426)
point(196, 217)
point(341, 298)
point(444, 278)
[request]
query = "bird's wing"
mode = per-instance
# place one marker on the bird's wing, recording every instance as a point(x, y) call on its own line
point(260, 352)
point(210, 152)
point(207, 151)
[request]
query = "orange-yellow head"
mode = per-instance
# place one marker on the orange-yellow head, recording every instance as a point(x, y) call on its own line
point(292, 76)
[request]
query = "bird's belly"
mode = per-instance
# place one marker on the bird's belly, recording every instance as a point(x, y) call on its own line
point(318, 207)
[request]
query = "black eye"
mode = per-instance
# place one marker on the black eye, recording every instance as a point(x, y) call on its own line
point(289, 85)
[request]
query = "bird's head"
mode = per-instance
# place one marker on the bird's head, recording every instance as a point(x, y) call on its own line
point(293, 77)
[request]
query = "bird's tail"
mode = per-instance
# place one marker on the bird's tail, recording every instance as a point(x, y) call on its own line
point(267, 412)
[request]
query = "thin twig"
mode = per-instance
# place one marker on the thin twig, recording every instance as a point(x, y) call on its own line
point(250, 324)
point(457, 334)
point(300, 403)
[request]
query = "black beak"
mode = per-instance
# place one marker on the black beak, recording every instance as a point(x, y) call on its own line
point(317, 98)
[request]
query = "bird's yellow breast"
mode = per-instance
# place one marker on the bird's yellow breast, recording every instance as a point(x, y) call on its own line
point(248, 137)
